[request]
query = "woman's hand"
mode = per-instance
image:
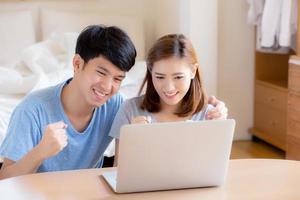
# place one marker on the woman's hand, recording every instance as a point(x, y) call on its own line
point(141, 120)
point(220, 111)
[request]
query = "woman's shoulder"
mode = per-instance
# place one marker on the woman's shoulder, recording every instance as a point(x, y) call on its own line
point(133, 105)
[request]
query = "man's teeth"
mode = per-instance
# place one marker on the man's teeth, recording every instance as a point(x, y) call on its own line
point(99, 93)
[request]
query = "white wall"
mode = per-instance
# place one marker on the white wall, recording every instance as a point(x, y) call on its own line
point(236, 64)
point(203, 31)
point(197, 19)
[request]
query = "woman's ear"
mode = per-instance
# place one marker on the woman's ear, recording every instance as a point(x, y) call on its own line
point(194, 70)
point(78, 63)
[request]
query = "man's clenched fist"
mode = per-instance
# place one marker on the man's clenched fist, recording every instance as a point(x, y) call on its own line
point(53, 140)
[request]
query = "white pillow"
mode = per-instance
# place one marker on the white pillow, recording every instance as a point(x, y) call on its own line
point(66, 21)
point(70, 43)
point(16, 33)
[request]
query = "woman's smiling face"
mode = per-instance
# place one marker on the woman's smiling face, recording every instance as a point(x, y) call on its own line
point(171, 79)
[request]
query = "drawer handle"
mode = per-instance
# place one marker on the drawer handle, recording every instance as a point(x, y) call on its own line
point(273, 123)
point(272, 99)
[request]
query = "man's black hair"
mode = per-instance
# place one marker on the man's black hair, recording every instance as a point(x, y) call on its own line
point(108, 41)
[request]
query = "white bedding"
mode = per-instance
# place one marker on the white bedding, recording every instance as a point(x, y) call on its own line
point(44, 64)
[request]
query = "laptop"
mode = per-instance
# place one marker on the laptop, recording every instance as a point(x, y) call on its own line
point(172, 155)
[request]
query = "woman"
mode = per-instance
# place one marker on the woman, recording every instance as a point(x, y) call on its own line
point(173, 88)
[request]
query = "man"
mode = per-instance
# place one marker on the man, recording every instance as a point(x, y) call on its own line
point(66, 126)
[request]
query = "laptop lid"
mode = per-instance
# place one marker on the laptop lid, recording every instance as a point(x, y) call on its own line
point(173, 155)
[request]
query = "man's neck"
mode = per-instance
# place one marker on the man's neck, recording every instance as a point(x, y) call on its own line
point(75, 107)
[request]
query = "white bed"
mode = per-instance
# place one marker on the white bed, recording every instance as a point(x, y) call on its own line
point(37, 45)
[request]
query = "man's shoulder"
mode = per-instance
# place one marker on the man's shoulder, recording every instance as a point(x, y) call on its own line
point(133, 102)
point(111, 106)
point(117, 99)
point(39, 97)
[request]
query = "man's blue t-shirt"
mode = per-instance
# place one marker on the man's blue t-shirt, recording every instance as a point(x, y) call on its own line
point(41, 108)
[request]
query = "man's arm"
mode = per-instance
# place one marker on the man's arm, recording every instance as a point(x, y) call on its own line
point(53, 141)
point(27, 165)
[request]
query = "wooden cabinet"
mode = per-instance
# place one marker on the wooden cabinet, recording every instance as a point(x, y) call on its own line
point(277, 102)
point(271, 98)
point(293, 110)
point(270, 113)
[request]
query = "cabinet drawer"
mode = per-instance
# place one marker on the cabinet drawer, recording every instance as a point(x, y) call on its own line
point(271, 121)
point(293, 129)
point(293, 148)
point(293, 115)
point(294, 103)
point(270, 97)
point(294, 77)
